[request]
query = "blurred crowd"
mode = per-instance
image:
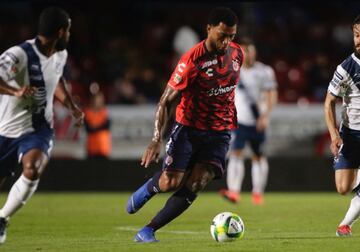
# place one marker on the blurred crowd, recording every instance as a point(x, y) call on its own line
point(131, 48)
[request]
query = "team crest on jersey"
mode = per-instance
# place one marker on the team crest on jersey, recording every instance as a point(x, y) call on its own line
point(236, 65)
point(177, 78)
point(58, 67)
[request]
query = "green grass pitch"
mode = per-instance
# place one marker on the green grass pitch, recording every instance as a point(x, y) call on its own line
point(98, 222)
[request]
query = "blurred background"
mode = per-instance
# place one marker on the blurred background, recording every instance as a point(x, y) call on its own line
point(127, 50)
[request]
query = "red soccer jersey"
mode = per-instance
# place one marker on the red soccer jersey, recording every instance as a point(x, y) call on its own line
point(207, 82)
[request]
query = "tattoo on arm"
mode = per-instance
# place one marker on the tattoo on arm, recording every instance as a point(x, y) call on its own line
point(163, 115)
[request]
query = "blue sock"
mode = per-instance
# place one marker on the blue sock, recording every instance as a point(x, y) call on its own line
point(153, 185)
point(175, 206)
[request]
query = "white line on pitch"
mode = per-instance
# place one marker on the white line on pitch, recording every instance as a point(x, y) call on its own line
point(129, 228)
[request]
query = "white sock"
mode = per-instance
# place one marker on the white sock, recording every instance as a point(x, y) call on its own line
point(235, 173)
point(353, 212)
point(19, 193)
point(264, 172)
point(256, 174)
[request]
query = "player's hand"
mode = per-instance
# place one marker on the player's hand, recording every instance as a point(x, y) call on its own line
point(262, 123)
point(335, 146)
point(78, 115)
point(25, 91)
point(151, 153)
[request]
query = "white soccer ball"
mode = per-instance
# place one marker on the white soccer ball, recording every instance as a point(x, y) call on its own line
point(226, 227)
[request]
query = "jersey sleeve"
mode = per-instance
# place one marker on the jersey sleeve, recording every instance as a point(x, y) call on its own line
point(12, 62)
point(269, 79)
point(337, 84)
point(183, 75)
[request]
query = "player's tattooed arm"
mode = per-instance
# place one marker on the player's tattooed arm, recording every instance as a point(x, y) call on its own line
point(62, 94)
point(163, 115)
point(330, 118)
point(162, 118)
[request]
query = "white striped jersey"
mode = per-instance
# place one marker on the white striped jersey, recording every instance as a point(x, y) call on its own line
point(346, 84)
point(248, 94)
point(24, 65)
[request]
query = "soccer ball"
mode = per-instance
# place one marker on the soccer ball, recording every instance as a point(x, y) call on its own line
point(226, 227)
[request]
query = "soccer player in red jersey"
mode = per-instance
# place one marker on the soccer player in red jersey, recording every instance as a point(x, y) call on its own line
point(205, 79)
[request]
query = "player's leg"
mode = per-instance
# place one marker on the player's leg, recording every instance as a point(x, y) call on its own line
point(234, 177)
point(200, 176)
point(208, 162)
point(8, 160)
point(259, 167)
point(178, 153)
point(162, 181)
point(34, 162)
point(345, 180)
point(345, 167)
point(33, 152)
point(236, 167)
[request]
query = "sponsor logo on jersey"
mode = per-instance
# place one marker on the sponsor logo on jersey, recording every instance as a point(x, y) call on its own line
point(209, 63)
point(38, 77)
point(35, 67)
point(40, 98)
point(210, 72)
point(221, 90)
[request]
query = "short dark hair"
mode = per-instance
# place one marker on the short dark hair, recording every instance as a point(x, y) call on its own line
point(356, 21)
point(222, 15)
point(51, 20)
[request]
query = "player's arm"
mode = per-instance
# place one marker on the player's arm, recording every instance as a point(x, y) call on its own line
point(270, 96)
point(162, 118)
point(11, 63)
point(18, 92)
point(270, 101)
point(64, 97)
point(330, 118)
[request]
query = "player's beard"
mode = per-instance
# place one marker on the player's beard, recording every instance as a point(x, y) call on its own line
point(357, 51)
point(61, 44)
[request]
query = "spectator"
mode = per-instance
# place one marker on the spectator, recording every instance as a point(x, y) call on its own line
point(97, 126)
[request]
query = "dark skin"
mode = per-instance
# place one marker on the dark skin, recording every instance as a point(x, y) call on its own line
point(217, 42)
point(34, 161)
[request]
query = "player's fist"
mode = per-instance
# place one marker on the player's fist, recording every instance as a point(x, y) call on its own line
point(78, 115)
point(25, 91)
point(335, 146)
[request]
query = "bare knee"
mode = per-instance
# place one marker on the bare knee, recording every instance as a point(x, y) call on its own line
point(170, 182)
point(31, 170)
point(343, 189)
point(34, 163)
